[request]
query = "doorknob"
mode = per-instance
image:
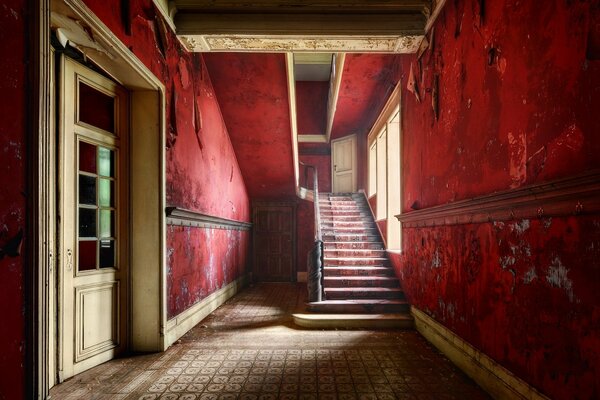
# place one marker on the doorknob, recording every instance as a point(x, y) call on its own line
point(335, 168)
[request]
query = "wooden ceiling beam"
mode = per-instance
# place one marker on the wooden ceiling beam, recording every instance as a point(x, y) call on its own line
point(363, 25)
point(318, 6)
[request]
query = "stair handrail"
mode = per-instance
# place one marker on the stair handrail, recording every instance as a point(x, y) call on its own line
point(315, 186)
point(314, 282)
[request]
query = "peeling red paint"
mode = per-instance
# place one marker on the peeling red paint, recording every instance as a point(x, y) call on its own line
point(524, 293)
point(202, 170)
point(200, 262)
point(252, 92)
point(517, 106)
point(14, 19)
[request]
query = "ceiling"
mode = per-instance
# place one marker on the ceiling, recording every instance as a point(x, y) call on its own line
point(386, 26)
point(245, 46)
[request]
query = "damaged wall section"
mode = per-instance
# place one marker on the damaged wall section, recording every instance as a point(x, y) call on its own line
point(202, 171)
point(504, 105)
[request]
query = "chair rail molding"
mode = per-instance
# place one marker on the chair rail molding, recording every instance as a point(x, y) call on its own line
point(576, 195)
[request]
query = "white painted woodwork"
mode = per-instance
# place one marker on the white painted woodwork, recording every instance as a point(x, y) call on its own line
point(381, 209)
point(343, 153)
point(93, 303)
point(495, 379)
point(394, 182)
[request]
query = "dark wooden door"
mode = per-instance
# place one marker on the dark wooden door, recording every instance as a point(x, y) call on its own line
point(274, 242)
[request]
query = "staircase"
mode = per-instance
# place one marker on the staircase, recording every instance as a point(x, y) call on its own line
point(360, 287)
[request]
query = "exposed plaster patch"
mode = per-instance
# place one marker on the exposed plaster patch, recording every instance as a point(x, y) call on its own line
point(506, 261)
point(436, 261)
point(557, 277)
point(13, 148)
point(520, 227)
point(184, 74)
point(12, 12)
point(517, 145)
point(529, 276)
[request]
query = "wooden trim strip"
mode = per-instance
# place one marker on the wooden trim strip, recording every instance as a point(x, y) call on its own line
point(499, 382)
point(182, 217)
point(575, 195)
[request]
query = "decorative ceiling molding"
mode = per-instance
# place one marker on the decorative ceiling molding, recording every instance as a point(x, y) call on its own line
point(290, 26)
point(299, 44)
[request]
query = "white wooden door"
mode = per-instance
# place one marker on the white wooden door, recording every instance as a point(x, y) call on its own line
point(93, 207)
point(344, 164)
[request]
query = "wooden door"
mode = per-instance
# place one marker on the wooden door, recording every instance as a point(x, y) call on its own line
point(93, 211)
point(344, 164)
point(274, 242)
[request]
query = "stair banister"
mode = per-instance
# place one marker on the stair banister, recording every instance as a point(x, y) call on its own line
point(315, 258)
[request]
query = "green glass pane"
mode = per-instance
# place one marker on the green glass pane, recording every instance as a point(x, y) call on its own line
point(106, 223)
point(105, 193)
point(106, 162)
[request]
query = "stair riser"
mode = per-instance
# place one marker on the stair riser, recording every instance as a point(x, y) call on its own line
point(359, 308)
point(340, 271)
point(366, 294)
point(366, 282)
point(349, 225)
point(350, 238)
point(354, 246)
point(346, 218)
point(349, 231)
point(354, 253)
point(384, 263)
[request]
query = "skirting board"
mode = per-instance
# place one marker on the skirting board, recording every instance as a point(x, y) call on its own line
point(499, 382)
point(181, 324)
point(302, 276)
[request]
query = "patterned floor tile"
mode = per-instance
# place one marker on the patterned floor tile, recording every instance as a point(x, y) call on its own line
point(249, 349)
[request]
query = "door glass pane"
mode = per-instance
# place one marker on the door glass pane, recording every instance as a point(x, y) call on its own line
point(105, 190)
point(106, 223)
point(87, 255)
point(87, 190)
point(106, 159)
point(87, 157)
point(107, 253)
point(96, 108)
point(87, 222)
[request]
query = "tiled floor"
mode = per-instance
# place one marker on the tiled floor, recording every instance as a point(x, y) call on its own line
point(250, 349)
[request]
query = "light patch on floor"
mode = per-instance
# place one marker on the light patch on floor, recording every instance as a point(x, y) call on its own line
point(250, 349)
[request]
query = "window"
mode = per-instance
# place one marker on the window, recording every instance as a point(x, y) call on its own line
point(384, 169)
point(373, 169)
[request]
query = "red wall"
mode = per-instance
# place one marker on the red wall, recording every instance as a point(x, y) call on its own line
point(252, 92)
point(13, 134)
point(311, 107)
point(202, 170)
point(524, 292)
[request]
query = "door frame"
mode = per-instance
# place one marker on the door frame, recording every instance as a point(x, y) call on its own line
point(147, 227)
point(354, 138)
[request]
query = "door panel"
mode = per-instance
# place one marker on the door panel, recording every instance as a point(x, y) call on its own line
point(93, 210)
point(274, 242)
point(344, 164)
